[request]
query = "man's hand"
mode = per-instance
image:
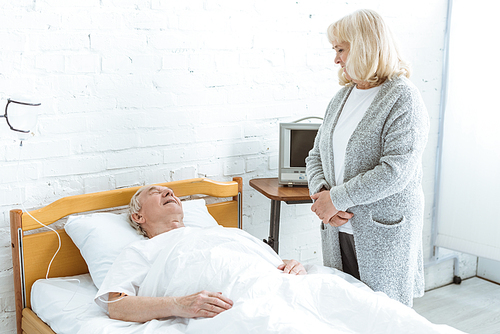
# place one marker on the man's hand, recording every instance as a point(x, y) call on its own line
point(323, 206)
point(202, 304)
point(292, 267)
point(141, 309)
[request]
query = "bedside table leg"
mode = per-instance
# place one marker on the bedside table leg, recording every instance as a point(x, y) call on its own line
point(274, 225)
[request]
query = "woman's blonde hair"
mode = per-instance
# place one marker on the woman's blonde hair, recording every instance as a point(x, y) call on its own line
point(373, 53)
point(134, 207)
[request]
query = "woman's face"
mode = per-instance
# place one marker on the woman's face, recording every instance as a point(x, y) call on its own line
point(342, 50)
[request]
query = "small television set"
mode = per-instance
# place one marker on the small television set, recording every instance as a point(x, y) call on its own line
point(296, 140)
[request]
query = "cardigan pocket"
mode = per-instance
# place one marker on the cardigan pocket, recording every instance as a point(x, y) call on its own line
point(388, 239)
point(388, 223)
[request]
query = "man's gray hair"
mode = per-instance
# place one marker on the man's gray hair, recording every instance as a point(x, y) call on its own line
point(133, 208)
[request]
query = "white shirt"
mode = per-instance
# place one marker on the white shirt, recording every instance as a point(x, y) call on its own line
point(186, 260)
point(131, 267)
point(354, 109)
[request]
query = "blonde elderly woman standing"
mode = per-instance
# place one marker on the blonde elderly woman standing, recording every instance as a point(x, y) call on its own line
point(365, 169)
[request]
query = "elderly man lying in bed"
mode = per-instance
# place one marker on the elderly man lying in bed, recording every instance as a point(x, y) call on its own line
point(223, 280)
point(154, 211)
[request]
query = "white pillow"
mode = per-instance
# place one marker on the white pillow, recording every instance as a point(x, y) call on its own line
point(196, 214)
point(101, 236)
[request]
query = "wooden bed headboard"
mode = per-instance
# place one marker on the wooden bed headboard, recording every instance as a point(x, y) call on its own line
point(32, 253)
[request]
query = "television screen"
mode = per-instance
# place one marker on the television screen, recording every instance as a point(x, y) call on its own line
point(301, 142)
point(296, 140)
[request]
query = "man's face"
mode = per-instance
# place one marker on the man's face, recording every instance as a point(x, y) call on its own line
point(160, 209)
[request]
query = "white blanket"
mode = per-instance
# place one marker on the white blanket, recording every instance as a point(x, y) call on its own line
point(265, 299)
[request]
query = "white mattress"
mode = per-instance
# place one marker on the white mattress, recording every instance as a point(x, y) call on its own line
point(66, 303)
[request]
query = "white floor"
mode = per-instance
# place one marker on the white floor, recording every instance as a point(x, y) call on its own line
point(472, 307)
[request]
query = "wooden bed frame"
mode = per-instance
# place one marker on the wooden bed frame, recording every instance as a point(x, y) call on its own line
point(31, 253)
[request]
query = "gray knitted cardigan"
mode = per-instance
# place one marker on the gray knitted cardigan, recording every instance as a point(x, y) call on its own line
point(382, 188)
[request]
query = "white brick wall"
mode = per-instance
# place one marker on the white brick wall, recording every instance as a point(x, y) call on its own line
point(142, 91)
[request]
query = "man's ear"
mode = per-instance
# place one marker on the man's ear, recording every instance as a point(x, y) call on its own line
point(138, 218)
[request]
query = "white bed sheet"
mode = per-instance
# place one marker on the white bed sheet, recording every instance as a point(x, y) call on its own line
point(67, 303)
point(266, 300)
